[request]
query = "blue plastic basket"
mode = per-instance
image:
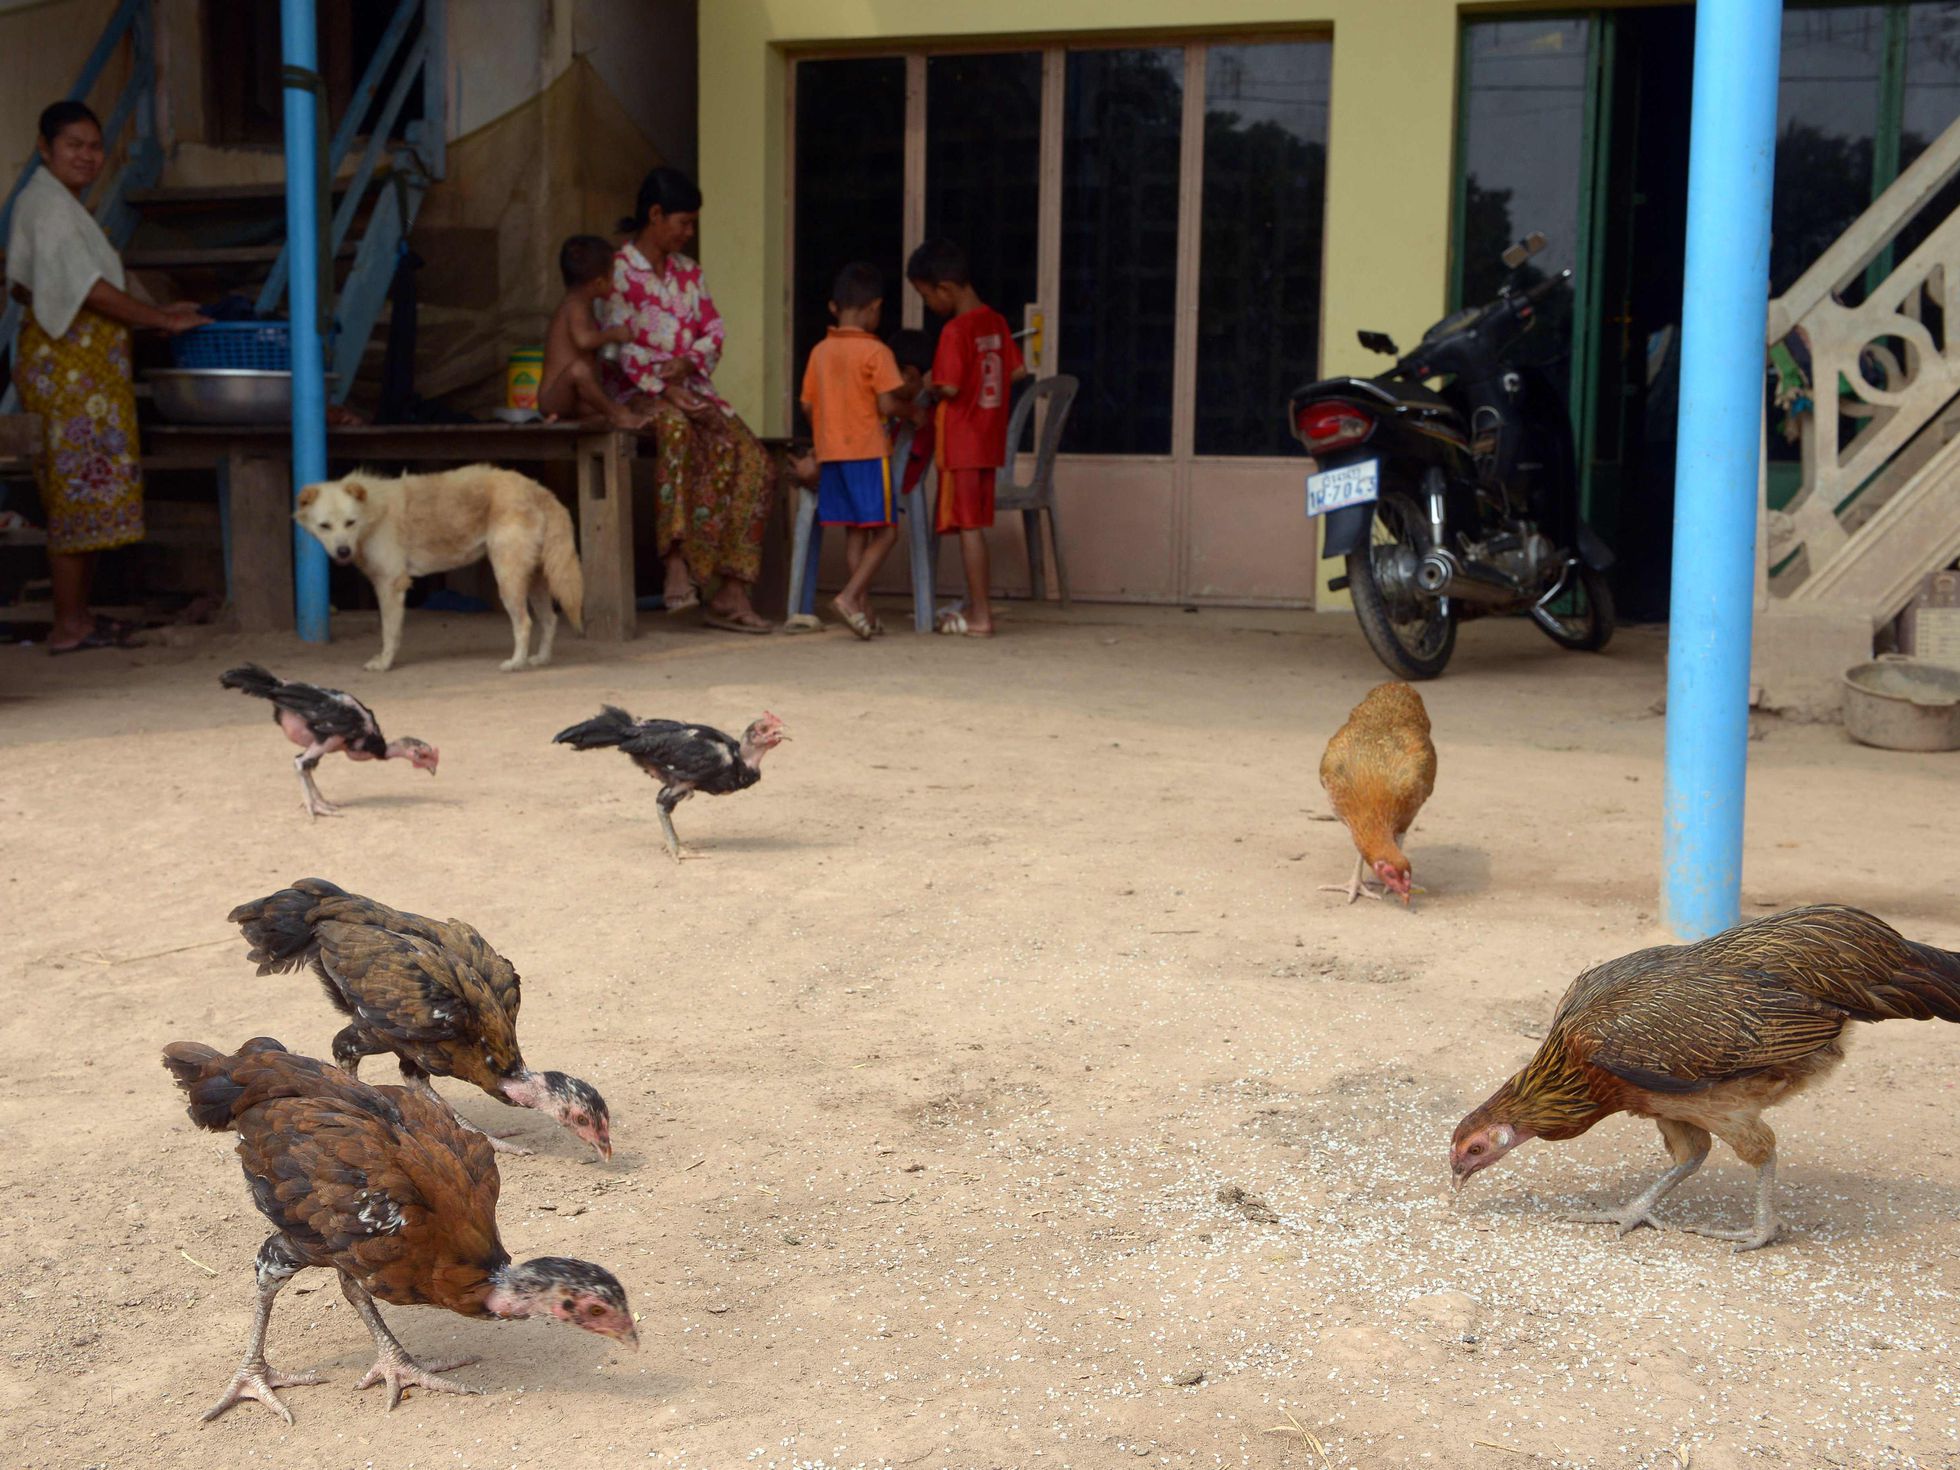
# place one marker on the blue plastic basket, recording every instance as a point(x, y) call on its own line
point(264, 347)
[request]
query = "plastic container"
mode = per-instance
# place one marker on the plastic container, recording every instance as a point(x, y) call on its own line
point(260, 347)
point(523, 378)
point(1899, 703)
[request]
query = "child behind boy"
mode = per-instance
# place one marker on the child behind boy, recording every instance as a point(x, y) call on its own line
point(569, 386)
point(913, 351)
point(971, 372)
point(849, 389)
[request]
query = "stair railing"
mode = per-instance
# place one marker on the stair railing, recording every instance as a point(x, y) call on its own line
point(411, 167)
point(136, 160)
point(1879, 375)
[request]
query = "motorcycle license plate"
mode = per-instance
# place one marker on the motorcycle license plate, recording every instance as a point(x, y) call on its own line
point(1351, 484)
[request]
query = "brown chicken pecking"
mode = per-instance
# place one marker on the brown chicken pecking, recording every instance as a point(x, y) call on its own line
point(1702, 1037)
point(1378, 770)
point(432, 992)
point(381, 1185)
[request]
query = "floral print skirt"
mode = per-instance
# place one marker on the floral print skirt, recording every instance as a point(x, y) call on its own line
point(90, 476)
point(711, 488)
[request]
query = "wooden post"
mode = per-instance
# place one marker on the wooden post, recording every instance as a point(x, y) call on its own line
point(605, 533)
point(260, 491)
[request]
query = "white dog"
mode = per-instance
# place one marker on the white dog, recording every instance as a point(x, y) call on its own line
point(400, 528)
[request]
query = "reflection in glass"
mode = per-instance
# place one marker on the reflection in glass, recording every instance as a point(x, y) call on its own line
point(1826, 116)
point(1122, 120)
point(1931, 103)
point(850, 185)
point(1259, 263)
point(983, 171)
point(1523, 162)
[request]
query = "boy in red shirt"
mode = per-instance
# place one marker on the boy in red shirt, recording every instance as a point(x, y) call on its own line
point(972, 371)
point(850, 388)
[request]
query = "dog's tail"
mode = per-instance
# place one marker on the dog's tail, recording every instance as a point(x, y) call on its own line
point(561, 569)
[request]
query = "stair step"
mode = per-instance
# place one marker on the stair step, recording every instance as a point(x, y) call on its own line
point(199, 196)
point(192, 258)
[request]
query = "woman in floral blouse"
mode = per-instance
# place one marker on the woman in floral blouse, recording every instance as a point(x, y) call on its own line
point(713, 478)
point(72, 367)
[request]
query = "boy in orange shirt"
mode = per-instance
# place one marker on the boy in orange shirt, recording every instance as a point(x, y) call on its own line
point(850, 388)
point(972, 370)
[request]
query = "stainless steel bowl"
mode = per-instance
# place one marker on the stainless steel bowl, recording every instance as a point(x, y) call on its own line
point(224, 395)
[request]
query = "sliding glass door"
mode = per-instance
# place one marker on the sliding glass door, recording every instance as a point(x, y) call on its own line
point(1151, 217)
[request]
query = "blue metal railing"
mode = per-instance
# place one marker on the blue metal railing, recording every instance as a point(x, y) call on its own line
point(397, 191)
point(141, 163)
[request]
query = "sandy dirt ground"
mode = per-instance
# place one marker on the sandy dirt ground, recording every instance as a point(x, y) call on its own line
point(928, 1075)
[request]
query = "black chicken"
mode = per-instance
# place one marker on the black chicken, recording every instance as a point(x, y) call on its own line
point(321, 721)
point(431, 991)
point(381, 1186)
point(684, 759)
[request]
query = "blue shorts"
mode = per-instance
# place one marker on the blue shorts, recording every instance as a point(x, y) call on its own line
point(855, 492)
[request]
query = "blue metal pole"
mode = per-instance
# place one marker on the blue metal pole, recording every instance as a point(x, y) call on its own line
point(299, 45)
point(1723, 319)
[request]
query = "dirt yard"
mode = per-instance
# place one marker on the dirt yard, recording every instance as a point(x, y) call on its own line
point(928, 1075)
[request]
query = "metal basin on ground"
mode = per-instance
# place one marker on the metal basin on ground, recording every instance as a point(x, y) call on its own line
point(224, 395)
point(1899, 703)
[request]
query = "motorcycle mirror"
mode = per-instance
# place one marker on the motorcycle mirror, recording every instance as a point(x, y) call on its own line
point(1379, 342)
point(1529, 246)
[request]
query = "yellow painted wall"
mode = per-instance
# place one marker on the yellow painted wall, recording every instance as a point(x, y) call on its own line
point(1390, 136)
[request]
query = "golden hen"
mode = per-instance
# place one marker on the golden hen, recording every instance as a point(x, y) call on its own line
point(1378, 770)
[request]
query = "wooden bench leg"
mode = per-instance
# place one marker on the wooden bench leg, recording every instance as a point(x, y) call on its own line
point(259, 491)
point(605, 527)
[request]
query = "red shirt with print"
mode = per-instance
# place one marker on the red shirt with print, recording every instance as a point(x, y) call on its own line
point(978, 358)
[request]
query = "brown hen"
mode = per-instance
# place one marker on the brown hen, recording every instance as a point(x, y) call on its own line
point(431, 991)
point(1378, 770)
point(383, 1186)
point(1703, 1037)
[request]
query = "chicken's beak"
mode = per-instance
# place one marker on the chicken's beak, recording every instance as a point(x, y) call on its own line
point(631, 1337)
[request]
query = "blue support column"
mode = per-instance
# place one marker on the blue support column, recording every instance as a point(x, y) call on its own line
point(299, 44)
point(1723, 319)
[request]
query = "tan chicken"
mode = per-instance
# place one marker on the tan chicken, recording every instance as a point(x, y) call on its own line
point(1378, 770)
point(1703, 1037)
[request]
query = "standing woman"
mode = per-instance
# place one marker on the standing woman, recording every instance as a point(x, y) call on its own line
point(72, 367)
point(713, 478)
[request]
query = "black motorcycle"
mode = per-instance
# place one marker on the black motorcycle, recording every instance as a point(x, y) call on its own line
point(1460, 502)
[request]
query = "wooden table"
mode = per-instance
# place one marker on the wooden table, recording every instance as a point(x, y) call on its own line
point(255, 479)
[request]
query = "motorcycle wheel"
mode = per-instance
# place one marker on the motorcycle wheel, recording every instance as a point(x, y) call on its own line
point(1414, 636)
point(1580, 616)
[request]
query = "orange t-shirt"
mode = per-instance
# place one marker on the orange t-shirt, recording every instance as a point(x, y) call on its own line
point(847, 372)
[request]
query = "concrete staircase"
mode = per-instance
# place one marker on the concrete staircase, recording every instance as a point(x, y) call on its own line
point(1880, 503)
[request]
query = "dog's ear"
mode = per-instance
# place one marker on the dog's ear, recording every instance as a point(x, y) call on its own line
point(307, 496)
point(357, 490)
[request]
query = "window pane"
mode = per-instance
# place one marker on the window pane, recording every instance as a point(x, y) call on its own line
point(1932, 102)
point(1523, 159)
point(1259, 266)
point(1123, 113)
point(850, 184)
point(1826, 113)
point(983, 171)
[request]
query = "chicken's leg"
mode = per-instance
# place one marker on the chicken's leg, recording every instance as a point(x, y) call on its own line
point(669, 798)
point(1358, 887)
point(316, 804)
point(1766, 1228)
point(255, 1378)
point(419, 1082)
point(392, 1365)
point(1689, 1146)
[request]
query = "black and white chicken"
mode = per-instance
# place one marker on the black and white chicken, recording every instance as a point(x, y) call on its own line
point(683, 758)
point(322, 721)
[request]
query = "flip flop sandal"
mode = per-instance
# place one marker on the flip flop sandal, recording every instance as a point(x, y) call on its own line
point(685, 604)
point(729, 624)
point(857, 622)
point(93, 639)
point(950, 621)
